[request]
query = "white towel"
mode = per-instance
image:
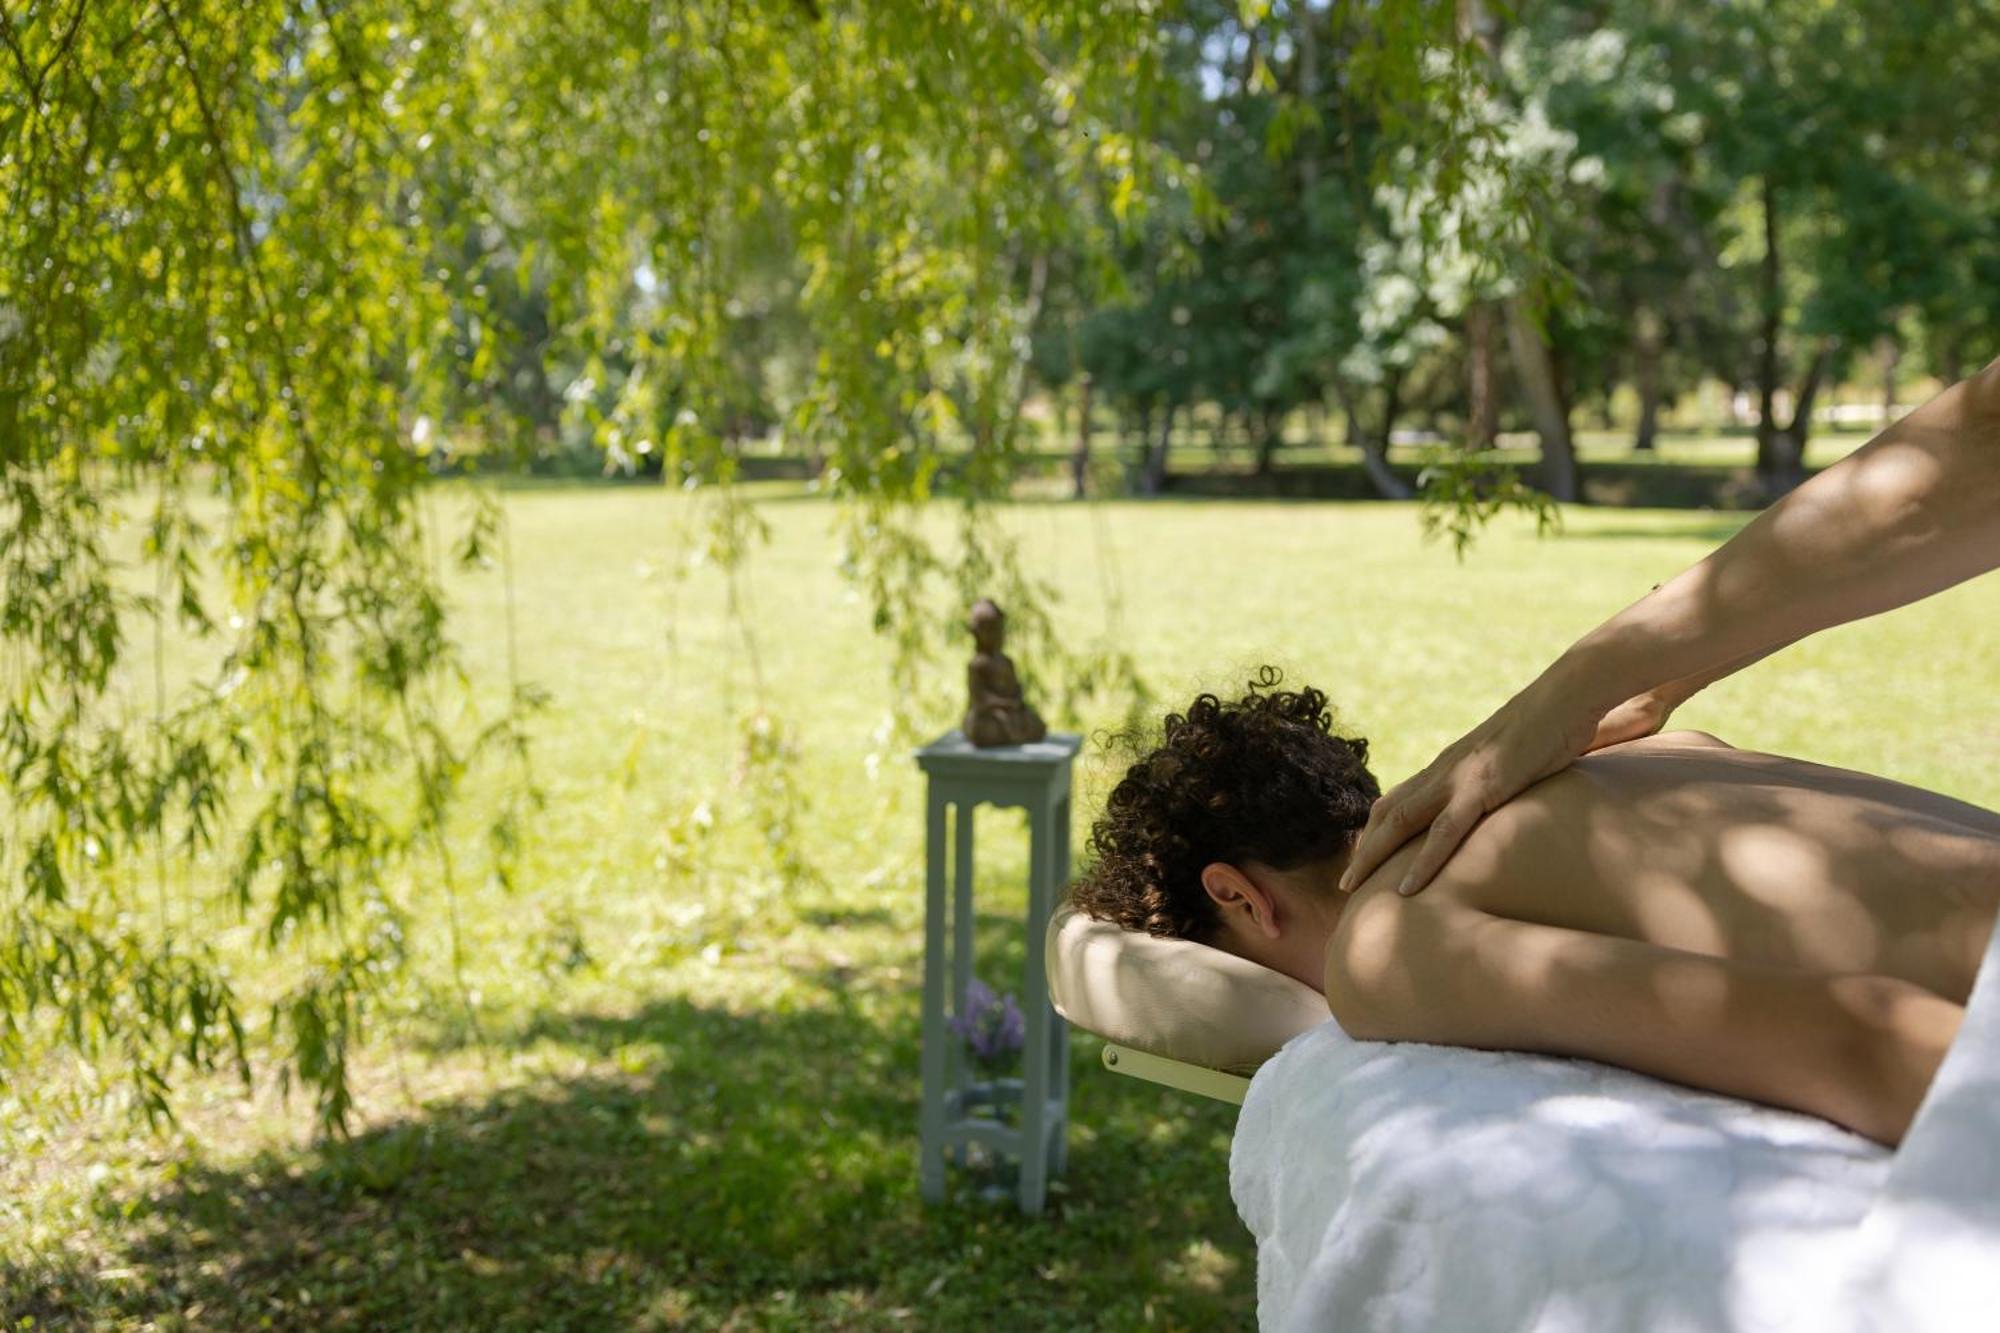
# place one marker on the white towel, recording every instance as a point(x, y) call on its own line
point(1411, 1187)
point(1929, 1250)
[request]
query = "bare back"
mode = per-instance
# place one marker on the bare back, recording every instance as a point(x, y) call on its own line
point(1683, 841)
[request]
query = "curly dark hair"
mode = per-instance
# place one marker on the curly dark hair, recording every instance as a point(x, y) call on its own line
point(1261, 779)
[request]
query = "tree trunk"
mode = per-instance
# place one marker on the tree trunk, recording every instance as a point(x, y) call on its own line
point(1771, 469)
point(1308, 48)
point(1951, 360)
point(1270, 434)
point(1809, 389)
point(1892, 357)
point(1011, 393)
point(1646, 352)
point(1788, 446)
point(1482, 414)
point(1780, 451)
point(1142, 445)
point(1374, 444)
point(1350, 407)
point(1387, 484)
point(1536, 367)
point(1156, 457)
point(1079, 459)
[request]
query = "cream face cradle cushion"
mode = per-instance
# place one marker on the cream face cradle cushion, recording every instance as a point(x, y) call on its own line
point(1175, 998)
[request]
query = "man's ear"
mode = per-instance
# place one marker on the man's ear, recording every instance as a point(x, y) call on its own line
point(1240, 899)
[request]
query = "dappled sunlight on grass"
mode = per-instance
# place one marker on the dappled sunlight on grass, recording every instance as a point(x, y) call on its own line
point(707, 1156)
point(1205, 1267)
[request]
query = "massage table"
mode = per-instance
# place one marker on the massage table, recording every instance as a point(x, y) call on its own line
point(1401, 1186)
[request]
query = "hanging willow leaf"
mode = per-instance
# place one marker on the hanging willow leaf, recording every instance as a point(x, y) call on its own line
point(277, 260)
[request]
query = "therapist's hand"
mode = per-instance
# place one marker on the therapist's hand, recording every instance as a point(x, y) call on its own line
point(1641, 715)
point(1534, 734)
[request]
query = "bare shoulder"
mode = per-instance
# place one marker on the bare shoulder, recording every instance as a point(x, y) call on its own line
point(1688, 737)
point(1369, 955)
point(1684, 739)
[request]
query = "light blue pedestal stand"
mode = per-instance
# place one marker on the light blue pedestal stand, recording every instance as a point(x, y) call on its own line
point(961, 778)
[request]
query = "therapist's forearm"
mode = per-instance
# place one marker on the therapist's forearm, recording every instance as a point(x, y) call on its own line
point(1677, 692)
point(1913, 511)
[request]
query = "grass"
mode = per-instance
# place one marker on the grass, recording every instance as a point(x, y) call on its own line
point(690, 1096)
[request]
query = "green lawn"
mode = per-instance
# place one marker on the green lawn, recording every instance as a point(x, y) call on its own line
point(690, 1098)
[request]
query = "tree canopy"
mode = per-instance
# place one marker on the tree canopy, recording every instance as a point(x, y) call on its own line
point(267, 267)
point(291, 255)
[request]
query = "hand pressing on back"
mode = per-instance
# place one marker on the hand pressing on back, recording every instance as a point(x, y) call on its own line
point(1906, 515)
point(1536, 733)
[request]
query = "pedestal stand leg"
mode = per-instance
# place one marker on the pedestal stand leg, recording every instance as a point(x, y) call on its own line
point(930, 1166)
point(1035, 1000)
point(962, 921)
point(1059, 1029)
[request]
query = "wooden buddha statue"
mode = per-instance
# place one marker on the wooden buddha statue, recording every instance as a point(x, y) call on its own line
point(996, 714)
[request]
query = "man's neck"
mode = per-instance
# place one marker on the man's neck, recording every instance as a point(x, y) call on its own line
point(1301, 955)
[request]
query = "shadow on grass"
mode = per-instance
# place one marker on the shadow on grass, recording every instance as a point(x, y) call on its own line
point(1718, 529)
point(713, 1168)
point(828, 918)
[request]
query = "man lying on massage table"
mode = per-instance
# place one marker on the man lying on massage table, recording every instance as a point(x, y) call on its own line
point(1754, 925)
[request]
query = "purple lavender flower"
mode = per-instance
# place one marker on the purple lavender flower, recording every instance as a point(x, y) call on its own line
point(993, 1027)
point(1013, 1026)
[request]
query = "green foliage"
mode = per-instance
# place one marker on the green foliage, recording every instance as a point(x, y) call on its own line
point(1375, 177)
point(1844, 112)
point(267, 268)
point(210, 288)
point(765, 769)
point(1463, 492)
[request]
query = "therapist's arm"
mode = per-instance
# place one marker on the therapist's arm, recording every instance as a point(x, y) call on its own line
point(1913, 511)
